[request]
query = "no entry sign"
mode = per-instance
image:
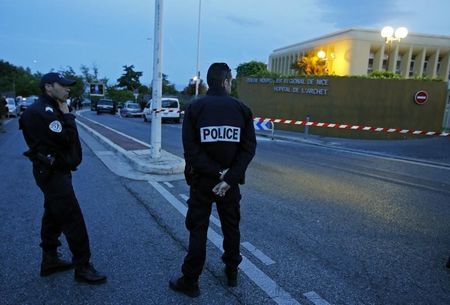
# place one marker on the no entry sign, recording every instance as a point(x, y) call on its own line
point(421, 97)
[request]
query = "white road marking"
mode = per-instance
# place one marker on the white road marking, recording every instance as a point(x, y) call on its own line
point(269, 286)
point(213, 219)
point(390, 158)
point(185, 197)
point(315, 298)
point(168, 184)
point(258, 254)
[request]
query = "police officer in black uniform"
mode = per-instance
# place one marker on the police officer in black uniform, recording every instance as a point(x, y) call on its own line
point(219, 143)
point(51, 134)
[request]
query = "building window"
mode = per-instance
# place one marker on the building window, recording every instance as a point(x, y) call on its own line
point(411, 66)
point(438, 68)
point(425, 65)
point(370, 66)
point(398, 64)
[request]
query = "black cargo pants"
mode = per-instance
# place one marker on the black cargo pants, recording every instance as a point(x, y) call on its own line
point(197, 222)
point(62, 214)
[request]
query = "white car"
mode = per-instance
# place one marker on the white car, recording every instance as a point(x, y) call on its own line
point(13, 109)
point(130, 109)
point(170, 109)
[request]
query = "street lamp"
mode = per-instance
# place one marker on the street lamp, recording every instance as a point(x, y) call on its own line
point(197, 71)
point(321, 54)
point(390, 35)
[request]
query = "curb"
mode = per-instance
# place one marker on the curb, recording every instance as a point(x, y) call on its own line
point(140, 160)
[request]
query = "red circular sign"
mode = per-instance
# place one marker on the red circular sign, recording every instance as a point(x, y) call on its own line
point(421, 97)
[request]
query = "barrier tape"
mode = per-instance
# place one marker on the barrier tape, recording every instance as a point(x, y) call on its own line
point(164, 110)
point(355, 127)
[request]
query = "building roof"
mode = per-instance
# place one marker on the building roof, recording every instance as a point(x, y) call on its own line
point(440, 41)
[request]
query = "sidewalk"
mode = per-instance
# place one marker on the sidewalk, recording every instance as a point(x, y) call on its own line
point(137, 153)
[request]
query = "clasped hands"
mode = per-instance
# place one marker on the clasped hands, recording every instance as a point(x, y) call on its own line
point(222, 187)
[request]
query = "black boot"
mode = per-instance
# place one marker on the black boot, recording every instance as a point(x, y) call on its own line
point(184, 285)
point(88, 274)
point(231, 277)
point(52, 263)
point(448, 262)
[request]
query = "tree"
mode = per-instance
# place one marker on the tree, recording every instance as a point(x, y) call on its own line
point(77, 90)
point(310, 64)
point(118, 95)
point(252, 68)
point(87, 75)
point(167, 87)
point(15, 81)
point(190, 88)
point(130, 79)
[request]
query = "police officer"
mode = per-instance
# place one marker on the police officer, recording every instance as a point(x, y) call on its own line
point(219, 143)
point(51, 134)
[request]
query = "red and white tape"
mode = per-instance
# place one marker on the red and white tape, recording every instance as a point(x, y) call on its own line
point(354, 127)
point(166, 110)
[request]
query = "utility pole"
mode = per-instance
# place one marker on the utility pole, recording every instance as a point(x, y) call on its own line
point(155, 141)
point(197, 79)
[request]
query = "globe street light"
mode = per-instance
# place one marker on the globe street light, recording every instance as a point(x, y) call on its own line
point(321, 54)
point(390, 35)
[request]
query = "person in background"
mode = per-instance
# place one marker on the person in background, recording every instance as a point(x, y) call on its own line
point(219, 142)
point(3, 113)
point(51, 134)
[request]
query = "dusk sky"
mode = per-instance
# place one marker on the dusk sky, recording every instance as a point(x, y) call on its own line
point(54, 34)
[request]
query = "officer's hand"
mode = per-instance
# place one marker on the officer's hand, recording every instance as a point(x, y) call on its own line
point(64, 107)
point(221, 188)
point(223, 174)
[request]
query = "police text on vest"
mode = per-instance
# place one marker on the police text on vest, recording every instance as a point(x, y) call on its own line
point(220, 134)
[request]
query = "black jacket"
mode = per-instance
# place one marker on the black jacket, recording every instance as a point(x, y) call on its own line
point(218, 133)
point(50, 133)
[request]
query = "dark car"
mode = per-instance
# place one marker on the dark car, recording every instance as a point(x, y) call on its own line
point(105, 105)
point(27, 102)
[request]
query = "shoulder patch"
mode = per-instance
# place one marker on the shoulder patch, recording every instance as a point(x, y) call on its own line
point(50, 109)
point(55, 126)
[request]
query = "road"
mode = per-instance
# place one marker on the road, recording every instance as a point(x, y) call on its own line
point(320, 224)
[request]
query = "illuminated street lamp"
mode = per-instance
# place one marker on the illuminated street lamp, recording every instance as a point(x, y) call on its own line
point(321, 54)
point(390, 35)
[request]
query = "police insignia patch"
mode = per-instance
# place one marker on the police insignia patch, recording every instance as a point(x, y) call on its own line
point(55, 126)
point(49, 109)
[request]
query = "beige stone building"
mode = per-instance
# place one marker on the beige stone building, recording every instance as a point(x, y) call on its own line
point(359, 52)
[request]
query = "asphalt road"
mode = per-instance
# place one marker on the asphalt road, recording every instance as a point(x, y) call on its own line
point(324, 225)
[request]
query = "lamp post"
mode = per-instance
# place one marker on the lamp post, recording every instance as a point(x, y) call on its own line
point(155, 138)
point(390, 36)
point(197, 71)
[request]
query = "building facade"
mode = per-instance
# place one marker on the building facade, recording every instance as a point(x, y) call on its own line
point(360, 52)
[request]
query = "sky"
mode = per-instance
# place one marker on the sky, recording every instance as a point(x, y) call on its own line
point(46, 35)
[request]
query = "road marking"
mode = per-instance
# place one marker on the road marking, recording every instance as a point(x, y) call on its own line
point(168, 184)
point(258, 254)
point(269, 286)
point(389, 157)
point(185, 197)
point(315, 298)
point(213, 219)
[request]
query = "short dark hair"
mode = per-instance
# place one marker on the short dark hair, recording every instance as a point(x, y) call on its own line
point(217, 73)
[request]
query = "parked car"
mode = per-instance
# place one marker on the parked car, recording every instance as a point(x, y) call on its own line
point(27, 102)
point(105, 105)
point(130, 108)
point(13, 109)
point(170, 110)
